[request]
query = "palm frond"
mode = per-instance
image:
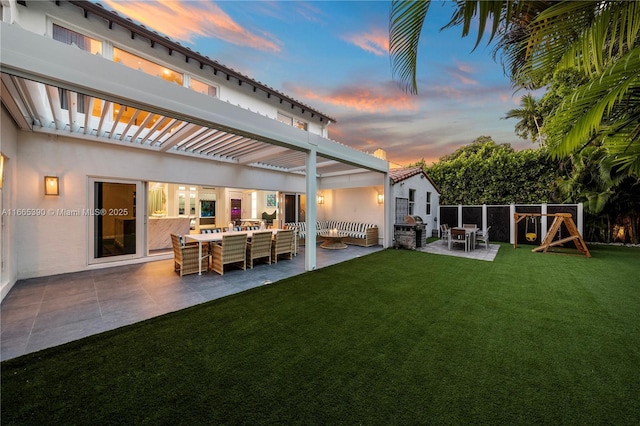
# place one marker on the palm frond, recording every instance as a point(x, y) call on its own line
point(405, 25)
point(601, 99)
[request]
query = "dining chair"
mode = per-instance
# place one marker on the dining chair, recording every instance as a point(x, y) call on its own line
point(483, 237)
point(259, 247)
point(444, 232)
point(231, 250)
point(282, 245)
point(459, 236)
point(185, 256)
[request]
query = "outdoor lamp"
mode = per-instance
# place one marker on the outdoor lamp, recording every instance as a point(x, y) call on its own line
point(51, 185)
point(380, 198)
point(320, 199)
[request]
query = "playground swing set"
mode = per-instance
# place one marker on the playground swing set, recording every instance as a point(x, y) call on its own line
point(559, 219)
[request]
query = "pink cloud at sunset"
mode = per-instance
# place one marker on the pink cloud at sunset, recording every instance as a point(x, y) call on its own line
point(375, 41)
point(369, 99)
point(205, 19)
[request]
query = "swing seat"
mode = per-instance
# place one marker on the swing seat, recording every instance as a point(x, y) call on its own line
point(531, 236)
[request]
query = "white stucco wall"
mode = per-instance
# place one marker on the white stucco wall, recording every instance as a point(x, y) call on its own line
point(421, 186)
point(59, 244)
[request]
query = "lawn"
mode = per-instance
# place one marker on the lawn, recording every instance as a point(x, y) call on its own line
point(395, 337)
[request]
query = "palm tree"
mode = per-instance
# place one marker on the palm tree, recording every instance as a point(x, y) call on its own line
point(601, 39)
point(530, 119)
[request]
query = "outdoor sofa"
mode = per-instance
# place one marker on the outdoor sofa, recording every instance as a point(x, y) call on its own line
point(356, 233)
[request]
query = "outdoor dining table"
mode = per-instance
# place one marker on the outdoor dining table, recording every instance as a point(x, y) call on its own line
point(217, 236)
point(470, 233)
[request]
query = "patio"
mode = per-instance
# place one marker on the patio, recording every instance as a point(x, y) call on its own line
point(479, 253)
point(44, 312)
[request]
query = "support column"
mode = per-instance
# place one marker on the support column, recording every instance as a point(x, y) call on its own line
point(389, 216)
point(311, 189)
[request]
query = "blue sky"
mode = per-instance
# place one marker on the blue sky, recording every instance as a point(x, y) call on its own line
point(332, 55)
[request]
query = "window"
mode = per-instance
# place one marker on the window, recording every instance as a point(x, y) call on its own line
point(148, 67)
point(412, 201)
point(428, 203)
point(402, 209)
point(291, 121)
point(67, 97)
point(82, 41)
point(199, 86)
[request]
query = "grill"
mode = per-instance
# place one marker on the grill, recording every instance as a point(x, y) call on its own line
point(410, 234)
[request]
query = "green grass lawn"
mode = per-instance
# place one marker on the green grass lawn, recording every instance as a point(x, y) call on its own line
point(395, 337)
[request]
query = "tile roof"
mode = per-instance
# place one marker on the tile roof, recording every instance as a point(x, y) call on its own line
point(398, 175)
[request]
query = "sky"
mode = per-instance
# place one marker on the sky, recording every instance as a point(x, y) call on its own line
point(333, 56)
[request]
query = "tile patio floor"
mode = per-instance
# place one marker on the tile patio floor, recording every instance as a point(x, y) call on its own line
point(44, 312)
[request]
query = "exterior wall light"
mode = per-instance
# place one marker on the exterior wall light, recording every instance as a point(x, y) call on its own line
point(380, 198)
point(51, 185)
point(320, 199)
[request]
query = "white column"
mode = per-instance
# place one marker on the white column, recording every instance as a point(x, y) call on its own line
point(310, 241)
point(389, 216)
point(459, 215)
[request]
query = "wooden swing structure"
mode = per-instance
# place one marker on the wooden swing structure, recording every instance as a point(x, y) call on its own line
point(560, 218)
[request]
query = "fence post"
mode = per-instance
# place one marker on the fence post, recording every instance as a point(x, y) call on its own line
point(459, 215)
point(512, 225)
point(580, 219)
point(543, 223)
point(484, 218)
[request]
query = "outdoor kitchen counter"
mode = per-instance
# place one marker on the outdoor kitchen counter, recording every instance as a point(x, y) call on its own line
point(161, 228)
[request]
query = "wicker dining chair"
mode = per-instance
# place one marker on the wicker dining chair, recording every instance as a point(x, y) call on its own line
point(185, 256)
point(231, 250)
point(282, 245)
point(259, 247)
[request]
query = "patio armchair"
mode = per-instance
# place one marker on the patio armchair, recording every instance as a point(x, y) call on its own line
point(458, 236)
point(483, 237)
point(282, 245)
point(259, 247)
point(185, 256)
point(231, 250)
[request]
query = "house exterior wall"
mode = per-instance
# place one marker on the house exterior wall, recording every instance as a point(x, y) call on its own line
point(39, 18)
point(421, 186)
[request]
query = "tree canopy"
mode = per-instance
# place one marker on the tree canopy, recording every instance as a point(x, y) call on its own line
point(486, 172)
point(600, 40)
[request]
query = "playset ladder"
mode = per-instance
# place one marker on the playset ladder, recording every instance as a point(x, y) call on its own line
point(574, 235)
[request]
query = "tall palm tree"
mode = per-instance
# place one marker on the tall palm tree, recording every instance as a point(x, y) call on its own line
point(530, 119)
point(535, 39)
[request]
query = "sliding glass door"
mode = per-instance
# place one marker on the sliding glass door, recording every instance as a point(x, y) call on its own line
point(116, 226)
